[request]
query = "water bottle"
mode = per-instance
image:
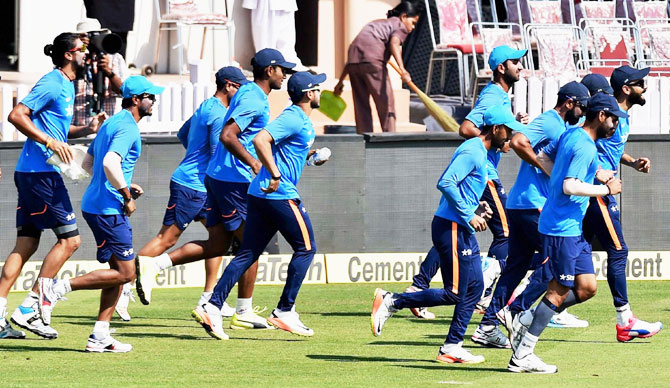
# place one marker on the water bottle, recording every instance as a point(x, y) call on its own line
point(320, 155)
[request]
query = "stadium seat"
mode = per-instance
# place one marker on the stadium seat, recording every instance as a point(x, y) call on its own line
point(610, 43)
point(189, 13)
point(456, 41)
point(549, 11)
point(559, 48)
point(657, 51)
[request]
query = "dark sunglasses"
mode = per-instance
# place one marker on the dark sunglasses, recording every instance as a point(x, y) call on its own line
point(638, 83)
point(147, 95)
point(82, 49)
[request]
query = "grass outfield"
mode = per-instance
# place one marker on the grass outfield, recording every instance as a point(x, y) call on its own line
point(171, 350)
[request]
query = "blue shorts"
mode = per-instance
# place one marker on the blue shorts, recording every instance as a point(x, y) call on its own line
point(113, 236)
point(568, 257)
point(185, 205)
point(43, 204)
point(226, 203)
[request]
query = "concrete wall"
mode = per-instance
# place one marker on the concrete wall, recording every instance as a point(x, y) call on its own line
point(372, 196)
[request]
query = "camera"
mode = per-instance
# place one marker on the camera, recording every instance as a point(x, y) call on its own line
point(100, 43)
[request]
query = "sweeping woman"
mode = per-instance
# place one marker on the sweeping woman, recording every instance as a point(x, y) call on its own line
point(368, 54)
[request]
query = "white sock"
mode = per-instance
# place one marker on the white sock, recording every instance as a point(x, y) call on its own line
point(62, 287)
point(487, 328)
point(163, 261)
point(527, 346)
point(204, 298)
point(243, 305)
point(448, 348)
point(623, 315)
point(3, 307)
point(31, 298)
point(101, 328)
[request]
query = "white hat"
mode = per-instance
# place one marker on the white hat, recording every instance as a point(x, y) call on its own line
point(87, 25)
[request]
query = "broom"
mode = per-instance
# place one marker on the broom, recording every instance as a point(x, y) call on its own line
point(446, 122)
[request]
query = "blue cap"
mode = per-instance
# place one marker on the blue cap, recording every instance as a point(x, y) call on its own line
point(502, 53)
point(271, 57)
point(231, 74)
point(597, 83)
point(137, 84)
point(625, 74)
point(499, 115)
point(606, 103)
point(303, 81)
point(575, 91)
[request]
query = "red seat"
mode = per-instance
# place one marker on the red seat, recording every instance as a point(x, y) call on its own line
point(465, 48)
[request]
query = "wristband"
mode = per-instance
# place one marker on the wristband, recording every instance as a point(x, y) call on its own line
point(609, 191)
point(276, 178)
point(49, 141)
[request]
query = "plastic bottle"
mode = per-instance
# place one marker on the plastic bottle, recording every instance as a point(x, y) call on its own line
point(320, 155)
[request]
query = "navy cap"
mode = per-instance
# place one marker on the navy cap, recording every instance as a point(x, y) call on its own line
point(575, 91)
point(137, 84)
point(271, 57)
point(597, 83)
point(303, 81)
point(502, 53)
point(231, 74)
point(606, 103)
point(625, 74)
point(499, 115)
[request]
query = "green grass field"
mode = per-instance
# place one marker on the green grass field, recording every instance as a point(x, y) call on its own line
point(171, 350)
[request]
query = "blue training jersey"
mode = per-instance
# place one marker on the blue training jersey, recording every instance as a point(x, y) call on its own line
point(119, 134)
point(575, 156)
point(51, 101)
point(251, 111)
point(531, 187)
point(293, 136)
point(463, 183)
point(200, 135)
point(610, 149)
point(491, 95)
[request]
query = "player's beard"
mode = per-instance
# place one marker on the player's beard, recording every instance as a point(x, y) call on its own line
point(145, 110)
point(315, 104)
point(511, 77)
point(605, 131)
point(637, 99)
point(571, 117)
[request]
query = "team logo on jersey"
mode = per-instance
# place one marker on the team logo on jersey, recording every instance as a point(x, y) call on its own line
point(304, 210)
point(466, 252)
point(69, 110)
point(502, 190)
point(185, 225)
point(569, 278)
point(70, 217)
point(128, 252)
point(614, 208)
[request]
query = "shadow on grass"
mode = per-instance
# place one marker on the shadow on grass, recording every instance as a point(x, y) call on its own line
point(348, 358)
point(162, 335)
point(345, 314)
point(271, 339)
point(401, 343)
point(593, 342)
point(438, 366)
point(89, 321)
point(28, 348)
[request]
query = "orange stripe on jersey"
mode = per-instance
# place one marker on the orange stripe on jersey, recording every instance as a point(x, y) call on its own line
point(500, 207)
point(608, 223)
point(171, 207)
point(301, 223)
point(42, 212)
point(454, 257)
